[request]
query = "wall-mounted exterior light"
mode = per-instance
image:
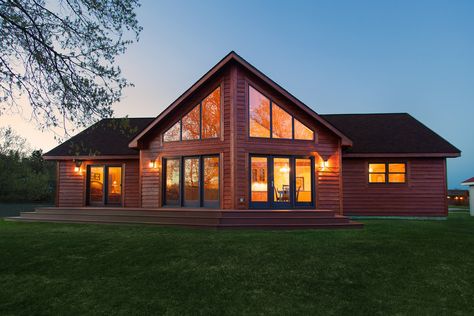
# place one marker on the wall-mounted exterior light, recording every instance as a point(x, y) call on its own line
point(77, 167)
point(324, 165)
point(152, 164)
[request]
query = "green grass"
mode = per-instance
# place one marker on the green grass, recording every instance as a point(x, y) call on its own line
point(391, 267)
point(14, 209)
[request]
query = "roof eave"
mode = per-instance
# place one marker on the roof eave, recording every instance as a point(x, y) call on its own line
point(400, 155)
point(86, 157)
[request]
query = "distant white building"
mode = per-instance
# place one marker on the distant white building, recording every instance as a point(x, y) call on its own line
point(470, 183)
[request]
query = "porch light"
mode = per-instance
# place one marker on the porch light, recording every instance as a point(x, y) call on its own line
point(78, 165)
point(152, 164)
point(324, 164)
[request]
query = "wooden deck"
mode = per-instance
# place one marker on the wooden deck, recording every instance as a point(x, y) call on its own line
point(227, 219)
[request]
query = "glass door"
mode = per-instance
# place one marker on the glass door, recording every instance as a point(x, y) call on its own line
point(104, 185)
point(96, 185)
point(282, 186)
point(279, 182)
point(172, 194)
point(191, 182)
point(114, 185)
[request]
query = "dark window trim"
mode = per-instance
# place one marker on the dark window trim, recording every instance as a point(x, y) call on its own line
point(220, 86)
point(293, 204)
point(201, 203)
point(105, 189)
point(387, 172)
point(271, 119)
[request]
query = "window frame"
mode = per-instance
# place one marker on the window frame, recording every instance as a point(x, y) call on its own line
point(249, 84)
point(387, 173)
point(180, 120)
point(201, 204)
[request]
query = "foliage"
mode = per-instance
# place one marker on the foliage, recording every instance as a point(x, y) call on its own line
point(391, 267)
point(24, 175)
point(61, 57)
point(11, 142)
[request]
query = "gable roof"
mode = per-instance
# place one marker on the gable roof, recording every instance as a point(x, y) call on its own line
point(390, 134)
point(469, 181)
point(108, 137)
point(233, 56)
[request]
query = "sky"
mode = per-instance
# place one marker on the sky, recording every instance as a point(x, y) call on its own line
point(335, 56)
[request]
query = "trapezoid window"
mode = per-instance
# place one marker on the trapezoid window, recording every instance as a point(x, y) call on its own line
point(302, 131)
point(191, 124)
point(259, 109)
point(281, 123)
point(268, 120)
point(202, 122)
point(173, 134)
point(211, 115)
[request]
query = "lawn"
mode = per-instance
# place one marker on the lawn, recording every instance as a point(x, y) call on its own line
point(391, 267)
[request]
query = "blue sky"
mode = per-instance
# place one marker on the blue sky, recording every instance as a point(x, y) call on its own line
point(335, 56)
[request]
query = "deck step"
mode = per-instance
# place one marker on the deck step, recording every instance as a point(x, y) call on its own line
point(231, 219)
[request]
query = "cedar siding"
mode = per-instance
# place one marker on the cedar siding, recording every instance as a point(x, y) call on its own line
point(347, 143)
point(423, 194)
point(71, 185)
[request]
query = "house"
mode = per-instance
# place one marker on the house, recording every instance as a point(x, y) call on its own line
point(470, 183)
point(237, 141)
point(458, 197)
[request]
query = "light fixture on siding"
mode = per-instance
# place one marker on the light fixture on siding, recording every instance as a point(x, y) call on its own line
point(78, 164)
point(324, 164)
point(152, 164)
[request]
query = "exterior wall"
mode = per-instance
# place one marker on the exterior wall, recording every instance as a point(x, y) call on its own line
point(326, 146)
point(71, 186)
point(153, 148)
point(424, 193)
point(235, 145)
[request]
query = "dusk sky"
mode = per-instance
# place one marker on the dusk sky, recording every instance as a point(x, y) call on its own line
point(335, 56)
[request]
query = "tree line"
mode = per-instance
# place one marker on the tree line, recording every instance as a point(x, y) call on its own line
point(24, 175)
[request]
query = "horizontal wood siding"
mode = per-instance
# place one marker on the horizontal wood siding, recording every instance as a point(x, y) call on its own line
point(326, 146)
point(424, 194)
point(235, 146)
point(72, 185)
point(153, 148)
point(71, 188)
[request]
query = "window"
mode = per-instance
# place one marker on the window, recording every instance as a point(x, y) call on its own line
point(259, 185)
point(191, 181)
point(277, 125)
point(211, 115)
point(192, 124)
point(173, 133)
point(387, 172)
point(302, 132)
point(281, 123)
point(203, 121)
point(259, 107)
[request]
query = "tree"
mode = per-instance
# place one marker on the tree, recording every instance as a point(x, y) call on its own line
point(60, 56)
point(12, 143)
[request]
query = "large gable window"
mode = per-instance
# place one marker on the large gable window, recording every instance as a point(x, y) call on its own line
point(211, 115)
point(281, 123)
point(203, 121)
point(302, 132)
point(268, 120)
point(191, 124)
point(259, 107)
point(387, 172)
point(173, 134)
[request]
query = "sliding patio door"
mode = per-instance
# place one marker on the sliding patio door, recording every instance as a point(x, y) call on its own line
point(281, 182)
point(104, 185)
point(192, 181)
